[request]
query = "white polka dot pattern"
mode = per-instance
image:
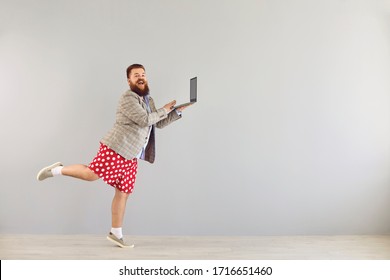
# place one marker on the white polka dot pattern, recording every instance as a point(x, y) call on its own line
point(114, 169)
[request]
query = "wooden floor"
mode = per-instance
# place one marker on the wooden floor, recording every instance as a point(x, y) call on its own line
point(92, 247)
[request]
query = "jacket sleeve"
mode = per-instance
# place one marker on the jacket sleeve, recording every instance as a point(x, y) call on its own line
point(171, 117)
point(133, 109)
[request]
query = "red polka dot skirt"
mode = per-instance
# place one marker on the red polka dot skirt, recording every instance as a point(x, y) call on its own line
point(114, 169)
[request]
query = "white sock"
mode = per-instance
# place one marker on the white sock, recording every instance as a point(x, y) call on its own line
point(57, 170)
point(117, 232)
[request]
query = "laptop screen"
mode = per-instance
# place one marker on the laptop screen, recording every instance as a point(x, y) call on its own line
point(193, 89)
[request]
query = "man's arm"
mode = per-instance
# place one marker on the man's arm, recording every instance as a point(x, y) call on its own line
point(131, 107)
point(172, 116)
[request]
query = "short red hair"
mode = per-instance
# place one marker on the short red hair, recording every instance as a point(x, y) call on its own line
point(133, 66)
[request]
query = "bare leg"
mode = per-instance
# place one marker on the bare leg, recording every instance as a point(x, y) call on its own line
point(79, 171)
point(118, 208)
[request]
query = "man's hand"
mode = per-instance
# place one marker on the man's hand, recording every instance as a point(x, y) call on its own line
point(170, 106)
point(180, 109)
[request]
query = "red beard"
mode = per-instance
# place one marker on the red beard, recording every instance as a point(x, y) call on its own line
point(138, 90)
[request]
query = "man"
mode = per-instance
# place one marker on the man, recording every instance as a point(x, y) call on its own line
point(131, 138)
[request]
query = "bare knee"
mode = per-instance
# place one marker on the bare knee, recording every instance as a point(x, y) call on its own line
point(121, 195)
point(90, 175)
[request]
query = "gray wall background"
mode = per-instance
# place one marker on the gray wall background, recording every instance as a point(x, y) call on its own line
point(291, 134)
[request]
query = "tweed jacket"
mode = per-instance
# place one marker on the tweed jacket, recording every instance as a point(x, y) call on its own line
point(131, 128)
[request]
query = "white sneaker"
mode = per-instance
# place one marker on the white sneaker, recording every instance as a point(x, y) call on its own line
point(45, 172)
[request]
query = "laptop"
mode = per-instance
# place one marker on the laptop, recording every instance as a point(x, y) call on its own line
point(193, 93)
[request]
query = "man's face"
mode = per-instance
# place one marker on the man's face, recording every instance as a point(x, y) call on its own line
point(137, 81)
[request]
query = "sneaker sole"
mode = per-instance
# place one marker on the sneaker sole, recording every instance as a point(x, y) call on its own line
point(48, 167)
point(119, 244)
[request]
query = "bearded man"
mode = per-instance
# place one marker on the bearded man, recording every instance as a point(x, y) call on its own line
point(131, 138)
